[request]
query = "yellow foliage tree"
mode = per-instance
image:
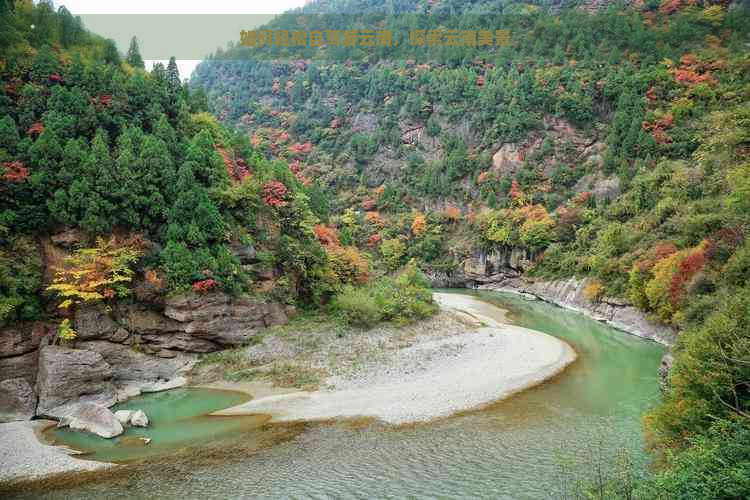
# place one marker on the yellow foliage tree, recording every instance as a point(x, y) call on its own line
point(93, 274)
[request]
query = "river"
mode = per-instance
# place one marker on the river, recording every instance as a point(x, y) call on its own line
point(517, 448)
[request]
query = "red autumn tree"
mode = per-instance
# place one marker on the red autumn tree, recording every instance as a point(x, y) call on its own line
point(325, 235)
point(204, 286)
point(274, 194)
point(14, 171)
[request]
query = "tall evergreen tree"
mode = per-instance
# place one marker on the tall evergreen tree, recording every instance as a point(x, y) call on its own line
point(193, 217)
point(173, 77)
point(133, 56)
point(155, 181)
point(111, 55)
point(8, 134)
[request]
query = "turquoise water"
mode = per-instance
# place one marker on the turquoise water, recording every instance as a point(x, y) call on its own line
point(177, 419)
point(518, 448)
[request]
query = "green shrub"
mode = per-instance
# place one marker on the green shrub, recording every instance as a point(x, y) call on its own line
point(405, 299)
point(358, 306)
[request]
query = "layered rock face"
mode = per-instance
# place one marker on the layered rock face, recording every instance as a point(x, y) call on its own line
point(19, 345)
point(134, 347)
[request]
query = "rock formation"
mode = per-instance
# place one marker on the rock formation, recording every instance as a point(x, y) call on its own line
point(93, 418)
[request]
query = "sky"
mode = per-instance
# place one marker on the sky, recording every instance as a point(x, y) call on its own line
point(186, 66)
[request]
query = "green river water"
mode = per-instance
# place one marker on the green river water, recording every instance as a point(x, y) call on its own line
point(517, 448)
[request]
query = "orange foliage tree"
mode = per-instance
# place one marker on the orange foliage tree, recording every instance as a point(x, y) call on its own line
point(419, 224)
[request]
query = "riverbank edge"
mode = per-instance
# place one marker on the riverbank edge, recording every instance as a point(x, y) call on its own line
point(528, 358)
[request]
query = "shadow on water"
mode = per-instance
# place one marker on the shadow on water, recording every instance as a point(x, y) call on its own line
point(510, 449)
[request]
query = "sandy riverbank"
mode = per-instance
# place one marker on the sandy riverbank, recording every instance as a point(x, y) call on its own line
point(433, 377)
point(23, 455)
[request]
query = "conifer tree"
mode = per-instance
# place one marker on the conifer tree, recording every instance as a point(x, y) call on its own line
point(133, 56)
point(173, 77)
point(193, 218)
point(155, 181)
point(126, 191)
point(208, 169)
point(8, 134)
point(45, 64)
point(111, 55)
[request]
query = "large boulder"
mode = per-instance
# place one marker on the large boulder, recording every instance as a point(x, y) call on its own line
point(94, 418)
point(17, 400)
point(69, 238)
point(124, 416)
point(68, 375)
point(139, 419)
point(180, 342)
point(144, 321)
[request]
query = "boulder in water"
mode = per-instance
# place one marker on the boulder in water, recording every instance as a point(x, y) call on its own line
point(94, 418)
point(139, 419)
point(123, 416)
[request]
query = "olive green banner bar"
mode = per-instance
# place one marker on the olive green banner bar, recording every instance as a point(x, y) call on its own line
point(303, 36)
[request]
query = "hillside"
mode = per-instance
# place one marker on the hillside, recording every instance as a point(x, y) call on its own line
point(136, 232)
point(606, 142)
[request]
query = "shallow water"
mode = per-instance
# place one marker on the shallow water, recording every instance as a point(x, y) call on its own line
point(516, 448)
point(177, 419)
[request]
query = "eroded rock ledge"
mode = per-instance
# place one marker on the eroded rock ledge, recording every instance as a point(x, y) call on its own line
point(121, 351)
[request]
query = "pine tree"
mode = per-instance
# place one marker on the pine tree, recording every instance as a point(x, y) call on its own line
point(164, 131)
point(209, 169)
point(193, 218)
point(111, 55)
point(74, 155)
point(155, 181)
point(126, 190)
point(173, 77)
point(100, 173)
point(45, 64)
point(133, 56)
point(8, 134)
point(198, 101)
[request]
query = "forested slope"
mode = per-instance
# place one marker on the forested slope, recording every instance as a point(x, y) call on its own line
point(606, 141)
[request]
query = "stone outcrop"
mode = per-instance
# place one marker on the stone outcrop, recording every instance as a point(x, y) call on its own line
point(93, 418)
point(17, 400)
point(136, 418)
point(225, 320)
point(664, 367)
point(145, 343)
point(67, 376)
point(123, 416)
